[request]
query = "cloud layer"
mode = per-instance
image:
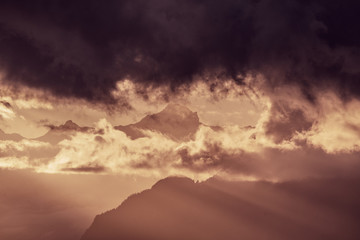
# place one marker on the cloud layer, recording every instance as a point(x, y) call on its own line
point(288, 142)
point(82, 48)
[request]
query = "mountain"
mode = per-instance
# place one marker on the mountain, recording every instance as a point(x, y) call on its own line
point(178, 209)
point(58, 133)
point(175, 121)
point(12, 137)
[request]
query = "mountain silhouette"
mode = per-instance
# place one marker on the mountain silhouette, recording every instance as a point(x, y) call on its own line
point(178, 209)
point(12, 136)
point(58, 133)
point(175, 121)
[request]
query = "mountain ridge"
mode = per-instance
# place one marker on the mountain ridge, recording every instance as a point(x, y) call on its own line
point(61, 132)
point(179, 208)
point(175, 121)
point(10, 136)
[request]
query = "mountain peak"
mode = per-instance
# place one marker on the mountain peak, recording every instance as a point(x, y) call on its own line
point(173, 182)
point(177, 112)
point(61, 132)
point(11, 136)
point(70, 124)
point(176, 121)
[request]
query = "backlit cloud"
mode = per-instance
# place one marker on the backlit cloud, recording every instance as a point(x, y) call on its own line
point(77, 54)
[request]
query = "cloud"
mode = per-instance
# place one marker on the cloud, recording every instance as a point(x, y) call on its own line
point(336, 127)
point(22, 97)
point(285, 122)
point(5, 104)
point(25, 153)
point(87, 168)
point(292, 139)
point(231, 151)
point(75, 53)
point(6, 111)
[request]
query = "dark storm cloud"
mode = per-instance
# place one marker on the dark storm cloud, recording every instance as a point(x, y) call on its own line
point(273, 163)
point(6, 104)
point(87, 168)
point(81, 48)
point(285, 122)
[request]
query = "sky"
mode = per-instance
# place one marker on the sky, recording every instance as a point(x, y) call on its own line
point(255, 90)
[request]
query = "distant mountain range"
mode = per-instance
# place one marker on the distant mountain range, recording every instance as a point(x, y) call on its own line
point(12, 137)
point(58, 133)
point(179, 209)
point(175, 121)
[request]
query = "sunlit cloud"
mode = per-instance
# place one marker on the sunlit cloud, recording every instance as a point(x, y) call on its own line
point(337, 127)
point(286, 131)
point(6, 112)
point(234, 150)
point(25, 154)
